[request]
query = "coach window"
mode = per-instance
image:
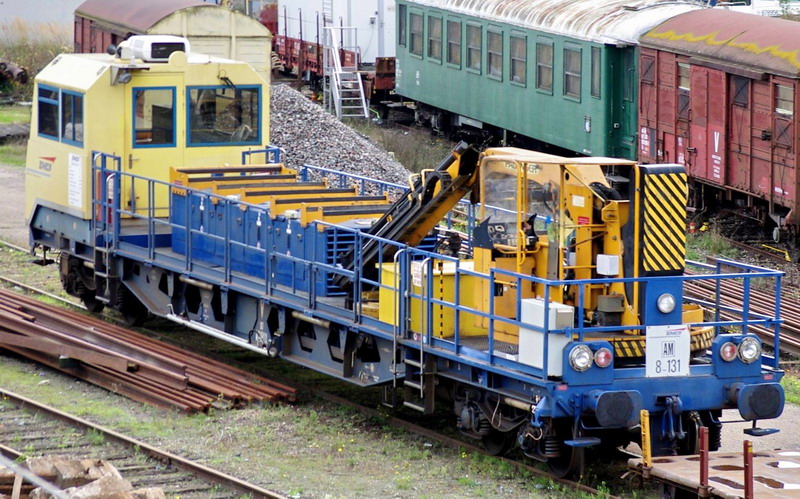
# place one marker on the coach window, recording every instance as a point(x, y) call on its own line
point(519, 59)
point(544, 65)
point(595, 91)
point(401, 25)
point(435, 38)
point(415, 29)
point(572, 72)
point(684, 87)
point(154, 117)
point(784, 112)
point(494, 49)
point(48, 112)
point(474, 47)
point(71, 118)
point(222, 115)
point(741, 91)
point(454, 43)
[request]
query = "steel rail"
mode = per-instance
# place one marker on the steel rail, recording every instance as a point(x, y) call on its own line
point(201, 470)
point(124, 361)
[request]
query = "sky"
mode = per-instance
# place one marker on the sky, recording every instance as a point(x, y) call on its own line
point(38, 11)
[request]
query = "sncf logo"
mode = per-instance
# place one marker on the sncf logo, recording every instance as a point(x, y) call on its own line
point(46, 163)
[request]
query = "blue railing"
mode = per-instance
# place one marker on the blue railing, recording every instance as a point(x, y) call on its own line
point(404, 286)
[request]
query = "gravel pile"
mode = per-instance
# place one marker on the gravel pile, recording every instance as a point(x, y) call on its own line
point(311, 136)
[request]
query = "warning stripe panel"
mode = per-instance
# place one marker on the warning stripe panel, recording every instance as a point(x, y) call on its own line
point(631, 346)
point(664, 220)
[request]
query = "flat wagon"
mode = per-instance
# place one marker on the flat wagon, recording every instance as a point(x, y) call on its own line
point(556, 313)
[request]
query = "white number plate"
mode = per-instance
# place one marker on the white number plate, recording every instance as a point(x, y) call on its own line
point(667, 351)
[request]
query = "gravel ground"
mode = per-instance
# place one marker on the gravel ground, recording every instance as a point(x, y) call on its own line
point(311, 136)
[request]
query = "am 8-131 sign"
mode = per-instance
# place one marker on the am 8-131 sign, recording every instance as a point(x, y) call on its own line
point(667, 351)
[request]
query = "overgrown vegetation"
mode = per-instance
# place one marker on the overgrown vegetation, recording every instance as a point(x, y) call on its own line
point(791, 387)
point(414, 149)
point(709, 242)
point(32, 46)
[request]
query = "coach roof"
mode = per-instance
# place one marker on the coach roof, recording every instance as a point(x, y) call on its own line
point(737, 39)
point(607, 21)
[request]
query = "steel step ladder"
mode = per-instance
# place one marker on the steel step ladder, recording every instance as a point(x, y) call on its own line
point(420, 382)
point(342, 91)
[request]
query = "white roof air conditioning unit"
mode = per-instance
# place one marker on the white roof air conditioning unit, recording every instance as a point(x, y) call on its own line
point(155, 48)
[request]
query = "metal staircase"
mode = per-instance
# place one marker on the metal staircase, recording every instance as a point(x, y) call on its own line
point(343, 91)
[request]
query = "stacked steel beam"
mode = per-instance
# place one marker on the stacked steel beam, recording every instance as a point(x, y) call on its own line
point(126, 362)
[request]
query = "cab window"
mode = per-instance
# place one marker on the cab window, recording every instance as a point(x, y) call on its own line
point(71, 118)
point(60, 115)
point(223, 115)
point(154, 117)
point(48, 112)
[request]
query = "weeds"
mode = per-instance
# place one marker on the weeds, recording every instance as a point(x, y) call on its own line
point(709, 243)
point(32, 46)
point(95, 437)
point(791, 387)
point(414, 149)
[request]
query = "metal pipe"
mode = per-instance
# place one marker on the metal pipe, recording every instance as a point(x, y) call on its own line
point(194, 282)
point(197, 326)
point(519, 404)
point(747, 446)
point(311, 320)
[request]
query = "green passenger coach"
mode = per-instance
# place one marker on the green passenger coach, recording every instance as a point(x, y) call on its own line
point(545, 73)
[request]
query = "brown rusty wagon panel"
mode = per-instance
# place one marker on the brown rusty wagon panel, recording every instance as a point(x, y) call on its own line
point(725, 106)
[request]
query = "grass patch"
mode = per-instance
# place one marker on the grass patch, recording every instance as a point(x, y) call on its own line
point(13, 154)
point(791, 387)
point(710, 243)
point(15, 114)
point(414, 149)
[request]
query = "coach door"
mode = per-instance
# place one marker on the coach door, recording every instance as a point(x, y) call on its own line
point(708, 118)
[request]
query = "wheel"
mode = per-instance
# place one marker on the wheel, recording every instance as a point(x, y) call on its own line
point(498, 443)
point(569, 463)
point(91, 302)
point(133, 311)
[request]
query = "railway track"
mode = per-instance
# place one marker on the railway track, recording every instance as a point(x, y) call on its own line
point(317, 392)
point(29, 428)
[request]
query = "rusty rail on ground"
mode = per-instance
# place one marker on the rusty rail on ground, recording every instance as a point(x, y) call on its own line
point(126, 362)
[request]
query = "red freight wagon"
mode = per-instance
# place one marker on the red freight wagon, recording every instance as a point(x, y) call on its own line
point(718, 95)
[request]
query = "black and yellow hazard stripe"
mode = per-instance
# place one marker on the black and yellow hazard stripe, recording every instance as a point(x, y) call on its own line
point(663, 215)
point(629, 346)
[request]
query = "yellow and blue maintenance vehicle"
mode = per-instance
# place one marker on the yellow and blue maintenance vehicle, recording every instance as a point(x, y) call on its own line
point(542, 297)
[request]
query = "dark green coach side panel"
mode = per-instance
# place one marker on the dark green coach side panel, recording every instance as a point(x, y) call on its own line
point(595, 121)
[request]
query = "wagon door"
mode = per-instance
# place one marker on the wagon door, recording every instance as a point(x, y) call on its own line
point(740, 136)
point(783, 148)
point(708, 124)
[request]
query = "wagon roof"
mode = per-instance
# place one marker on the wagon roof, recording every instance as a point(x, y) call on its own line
point(138, 16)
point(735, 38)
point(606, 21)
